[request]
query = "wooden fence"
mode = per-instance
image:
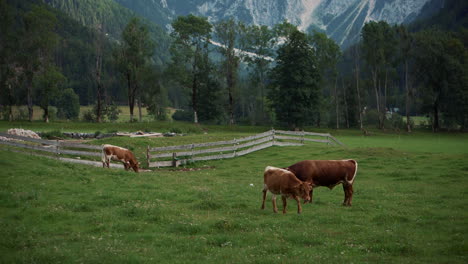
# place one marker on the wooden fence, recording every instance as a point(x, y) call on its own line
point(64, 151)
point(171, 156)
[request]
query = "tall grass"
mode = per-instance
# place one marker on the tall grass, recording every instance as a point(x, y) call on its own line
point(409, 206)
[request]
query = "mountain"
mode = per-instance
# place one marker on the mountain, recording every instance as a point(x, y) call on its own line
point(113, 17)
point(342, 20)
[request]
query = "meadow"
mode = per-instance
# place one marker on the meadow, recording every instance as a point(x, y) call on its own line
point(409, 204)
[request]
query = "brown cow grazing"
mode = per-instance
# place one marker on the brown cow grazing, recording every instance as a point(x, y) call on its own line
point(283, 182)
point(119, 154)
point(327, 173)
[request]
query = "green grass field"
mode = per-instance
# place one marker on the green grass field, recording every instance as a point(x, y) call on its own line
point(409, 205)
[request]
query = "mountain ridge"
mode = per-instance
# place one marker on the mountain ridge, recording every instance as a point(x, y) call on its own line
point(342, 20)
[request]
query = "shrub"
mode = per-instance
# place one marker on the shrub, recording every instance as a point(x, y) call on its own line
point(22, 113)
point(112, 112)
point(371, 117)
point(183, 115)
point(89, 116)
point(68, 105)
point(395, 121)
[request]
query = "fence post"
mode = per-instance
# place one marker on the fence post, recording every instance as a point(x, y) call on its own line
point(235, 147)
point(191, 152)
point(273, 136)
point(302, 137)
point(57, 149)
point(328, 140)
point(148, 155)
point(174, 159)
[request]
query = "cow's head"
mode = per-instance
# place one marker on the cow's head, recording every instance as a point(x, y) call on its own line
point(135, 166)
point(304, 191)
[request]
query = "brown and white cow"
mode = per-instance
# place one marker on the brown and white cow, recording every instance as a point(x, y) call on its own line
point(282, 182)
point(119, 154)
point(328, 173)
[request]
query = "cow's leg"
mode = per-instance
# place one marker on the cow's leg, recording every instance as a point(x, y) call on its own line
point(299, 208)
point(126, 166)
point(273, 200)
point(310, 194)
point(108, 162)
point(285, 203)
point(348, 192)
point(264, 197)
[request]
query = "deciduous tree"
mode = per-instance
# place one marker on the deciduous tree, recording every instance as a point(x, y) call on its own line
point(133, 55)
point(192, 36)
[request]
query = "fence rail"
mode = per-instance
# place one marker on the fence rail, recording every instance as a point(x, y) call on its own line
point(183, 154)
point(171, 155)
point(56, 149)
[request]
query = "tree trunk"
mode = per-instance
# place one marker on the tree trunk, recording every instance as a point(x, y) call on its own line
point(98, 74)
point(230, 84)
point(46, 114)
point(30, 100)
point(131, 99)
point(194, 97)
point(231, 110)
point(318, 119)
point(336, 104)
point(356, 66)
point(99, 107)
point(136, 88)
point(377, 100)
point(10, 103)
point(384, 103)
point(345, 102)
point(435, 122)
point(407, 105)
point(99, 90)
point(139, 109)
point(262, 94)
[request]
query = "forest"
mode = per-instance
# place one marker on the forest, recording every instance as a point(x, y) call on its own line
point(230, 72)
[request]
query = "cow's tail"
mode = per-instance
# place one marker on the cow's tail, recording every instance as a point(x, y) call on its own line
point(355, 171)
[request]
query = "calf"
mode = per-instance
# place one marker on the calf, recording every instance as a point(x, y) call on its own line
point(119, 154)
point(327, 173)
point(283, 182)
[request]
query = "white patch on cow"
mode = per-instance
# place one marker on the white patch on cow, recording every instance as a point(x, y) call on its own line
point(108, 145)
point(274, 168)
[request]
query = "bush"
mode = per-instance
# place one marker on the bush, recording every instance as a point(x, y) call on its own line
point(395, 122)
point(371, 117)
point(112, 112)
point(89, 116)
point(23, 113)
point(183, 115)
point(68, 105)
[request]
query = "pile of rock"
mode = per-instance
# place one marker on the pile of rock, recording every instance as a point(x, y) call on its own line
point(23, 133)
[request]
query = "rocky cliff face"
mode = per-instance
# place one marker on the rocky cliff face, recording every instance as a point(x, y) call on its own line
point(342, 20)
